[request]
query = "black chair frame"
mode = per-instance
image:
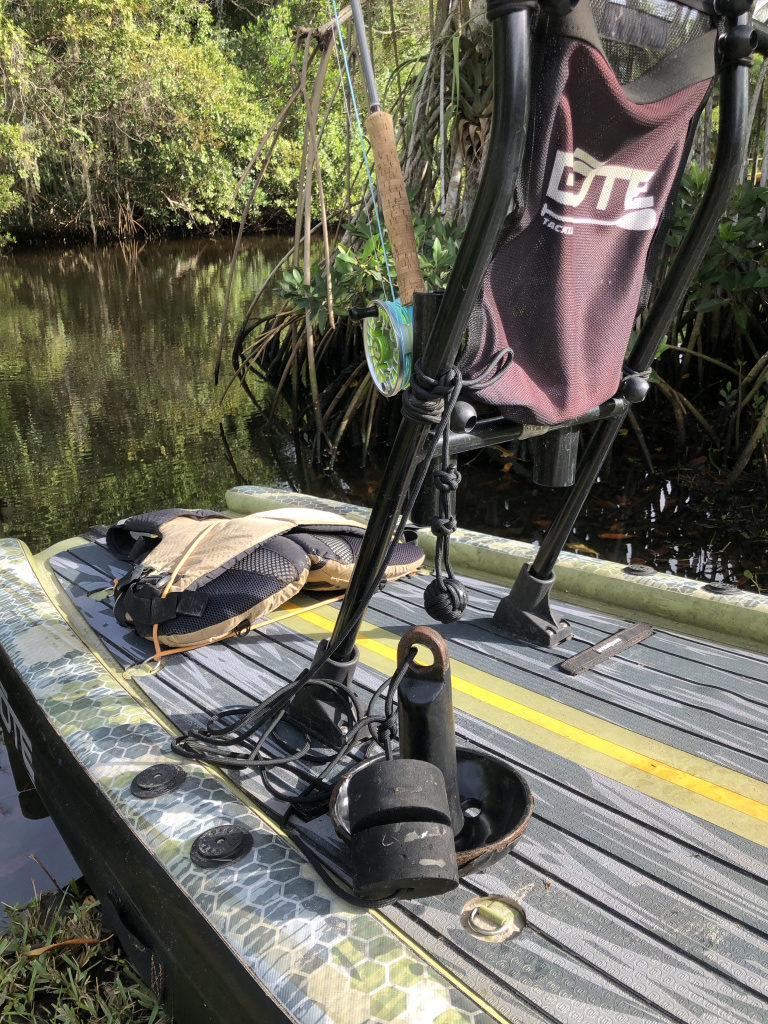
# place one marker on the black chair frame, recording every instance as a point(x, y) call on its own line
point(440, 323)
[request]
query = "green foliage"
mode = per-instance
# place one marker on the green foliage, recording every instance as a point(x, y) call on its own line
point(82, 978)
point(717, 351)
point(16, 155)
point(359, 268)
point(733, 276)
point(123, 114)
point(105, 360)
point(136, 116)
point(358, 276)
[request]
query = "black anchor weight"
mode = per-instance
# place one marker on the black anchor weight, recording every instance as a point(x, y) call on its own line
point(403, 814)
point(415, 823)
point(401, 839)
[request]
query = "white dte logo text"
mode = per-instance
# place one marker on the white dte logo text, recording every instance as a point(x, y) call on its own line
point(564, 189)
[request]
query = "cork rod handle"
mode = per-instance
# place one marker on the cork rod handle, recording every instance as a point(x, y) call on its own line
point(394, 202)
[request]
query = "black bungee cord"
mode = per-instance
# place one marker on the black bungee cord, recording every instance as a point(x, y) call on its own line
point(207, 744)
point(431, 401)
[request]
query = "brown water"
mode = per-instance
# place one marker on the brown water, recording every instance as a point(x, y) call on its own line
point(107, 401)
point(108, 407)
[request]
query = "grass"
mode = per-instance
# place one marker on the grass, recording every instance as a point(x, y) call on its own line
point(57, 965)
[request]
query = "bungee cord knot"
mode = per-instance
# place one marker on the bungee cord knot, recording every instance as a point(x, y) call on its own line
point(446, 480)
point(431, 400)
point(443, 527)
point(384, 732)
point(445, 599)
point(424, 401)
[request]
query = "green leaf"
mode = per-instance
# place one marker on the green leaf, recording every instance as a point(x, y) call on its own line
point(709, 304)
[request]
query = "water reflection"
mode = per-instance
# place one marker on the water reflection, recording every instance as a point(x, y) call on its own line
point(107, 402)
point(672, 522)
point(31, 851)
point(108, 407)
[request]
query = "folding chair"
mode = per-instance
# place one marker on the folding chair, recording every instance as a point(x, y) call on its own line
point(595, 109)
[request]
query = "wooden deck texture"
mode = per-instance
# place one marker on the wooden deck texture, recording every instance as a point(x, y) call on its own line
point(644, 872)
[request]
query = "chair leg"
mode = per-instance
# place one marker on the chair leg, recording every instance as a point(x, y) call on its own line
point(525, 611)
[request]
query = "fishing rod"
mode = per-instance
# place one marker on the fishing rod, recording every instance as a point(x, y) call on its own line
point(388, 324)
point(511, 80)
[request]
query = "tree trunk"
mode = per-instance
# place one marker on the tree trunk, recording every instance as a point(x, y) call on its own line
point(753, 106)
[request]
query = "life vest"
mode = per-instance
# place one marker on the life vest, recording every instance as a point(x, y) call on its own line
point(201, 576)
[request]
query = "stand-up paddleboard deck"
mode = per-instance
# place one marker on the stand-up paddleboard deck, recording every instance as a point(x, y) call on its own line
point(642, 875)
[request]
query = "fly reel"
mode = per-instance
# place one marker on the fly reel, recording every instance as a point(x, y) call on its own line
point(388, 345)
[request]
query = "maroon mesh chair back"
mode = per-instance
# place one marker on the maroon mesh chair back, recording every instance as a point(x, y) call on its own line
point(617, 92)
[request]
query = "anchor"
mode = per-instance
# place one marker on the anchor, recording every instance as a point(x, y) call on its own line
point(418, 822)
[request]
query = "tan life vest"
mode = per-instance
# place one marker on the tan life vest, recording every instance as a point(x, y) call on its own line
point(201, 576)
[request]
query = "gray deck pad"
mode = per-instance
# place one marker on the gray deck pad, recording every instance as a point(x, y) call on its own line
point(643, 872)
point(593, 656)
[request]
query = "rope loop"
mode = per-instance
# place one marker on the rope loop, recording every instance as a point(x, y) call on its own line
point(424, 400)
point(493, 371)
point(445, 598)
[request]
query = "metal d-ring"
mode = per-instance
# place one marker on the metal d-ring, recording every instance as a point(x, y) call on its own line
point(483, 928)
point(506, 925)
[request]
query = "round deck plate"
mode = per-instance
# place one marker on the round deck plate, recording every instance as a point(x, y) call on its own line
point(223, 844)
point(157, 780)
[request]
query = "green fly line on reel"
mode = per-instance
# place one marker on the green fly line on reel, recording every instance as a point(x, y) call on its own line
point(388, 345)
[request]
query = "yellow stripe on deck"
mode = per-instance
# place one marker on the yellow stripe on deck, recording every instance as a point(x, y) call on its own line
point(717, 794)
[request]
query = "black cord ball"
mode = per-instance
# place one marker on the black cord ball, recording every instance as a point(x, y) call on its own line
point(445, 600)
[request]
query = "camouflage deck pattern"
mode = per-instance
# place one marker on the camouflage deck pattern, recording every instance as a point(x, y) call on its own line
point(322, 961)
